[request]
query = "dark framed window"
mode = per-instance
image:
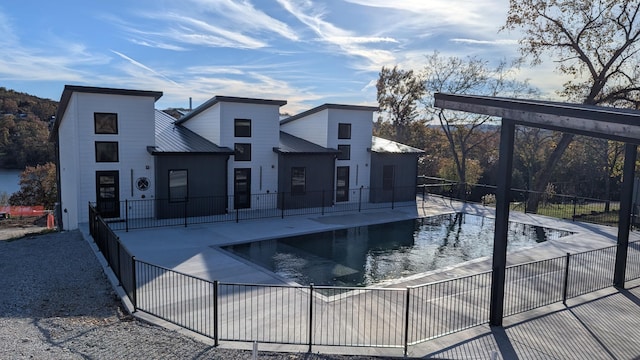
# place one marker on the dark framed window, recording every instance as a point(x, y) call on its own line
point(105, 123)
point(345, 152)
point(298, 180)
point(344, 131)
point(387, 177)
point(242, 152)
point(178, 185)
point(242, 128)
point(106, 151)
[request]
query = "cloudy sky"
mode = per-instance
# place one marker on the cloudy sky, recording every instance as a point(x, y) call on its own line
point(307, 52)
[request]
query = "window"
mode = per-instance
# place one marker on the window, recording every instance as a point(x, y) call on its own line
point(345, 152)
point(298, 180)
point(106, 151)
point(242, 152)
point(105, 123)
point(387, 177)
point(344, 131)
point(178, 189)
point(242, 128)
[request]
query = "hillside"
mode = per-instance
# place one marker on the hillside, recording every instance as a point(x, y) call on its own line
point(22, 105)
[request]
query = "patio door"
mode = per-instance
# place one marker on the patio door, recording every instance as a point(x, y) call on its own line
point(342, 183)
point(242, 188)
point(108, 193)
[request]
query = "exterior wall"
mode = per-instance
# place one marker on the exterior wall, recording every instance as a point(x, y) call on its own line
point(313, 128)
point(360, 142)
point(136, 123)
point(206, 124)
point(265, 134)
point(404, 180)
point(207, 188)
point(319, 171)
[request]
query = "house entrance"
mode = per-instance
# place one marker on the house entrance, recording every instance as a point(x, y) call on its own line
point(342, 183)
point(107, 193)
point(242, 188)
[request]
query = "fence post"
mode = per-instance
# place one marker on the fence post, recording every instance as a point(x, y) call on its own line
point(322, 201)
point(185, 212)
point(216, 338)
point(117, 271)
point(282, 212)
point(575, 201)
point(310, 316)
point(406, 324)
point(393, 197)
point(237, 214)
point(360, 200)
point(126, 215)
point(134, 284)
point(566, 280)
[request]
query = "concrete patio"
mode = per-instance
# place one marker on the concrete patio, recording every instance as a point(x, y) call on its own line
point(600, 325)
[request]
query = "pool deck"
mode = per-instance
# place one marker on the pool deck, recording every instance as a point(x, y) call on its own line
point(600, 325)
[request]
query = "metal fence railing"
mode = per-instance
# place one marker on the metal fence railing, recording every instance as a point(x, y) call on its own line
point(147, 213)
point(340, 316)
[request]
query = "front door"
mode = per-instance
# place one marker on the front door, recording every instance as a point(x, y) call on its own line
point(107, 194)
point(242, 188)
point(342, 183)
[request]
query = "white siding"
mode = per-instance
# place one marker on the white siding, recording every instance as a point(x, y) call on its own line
point(313, 128)
point(135, 132)
point(206, 124)
point(265, 134)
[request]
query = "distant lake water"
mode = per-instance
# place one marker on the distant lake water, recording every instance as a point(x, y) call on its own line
point(9, 179)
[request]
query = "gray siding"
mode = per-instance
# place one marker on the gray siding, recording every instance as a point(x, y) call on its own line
point(405, 166)
point(319, 170)
point(207, 185)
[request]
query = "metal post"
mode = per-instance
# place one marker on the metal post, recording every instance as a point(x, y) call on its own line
point(575, 203)
point(507, 135)
point(216, 338)
point(360, 200)
point(237, 214)
point(126, 215)
point(406, 323)
point(134, 284)
point(323, 202)
point(566, 280)
point(185, 212)
point(624, 216)
point(282, 207)
point(393, 197)
point(310, 316)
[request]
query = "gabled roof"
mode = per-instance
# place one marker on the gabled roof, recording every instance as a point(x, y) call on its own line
point(70, 89)
point(218, 99)
point(328, 106)
point(176, 139)
point(290, 144)
point(380, 145)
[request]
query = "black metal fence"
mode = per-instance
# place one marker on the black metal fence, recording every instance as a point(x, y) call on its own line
point(146, 213)
point(340, 316)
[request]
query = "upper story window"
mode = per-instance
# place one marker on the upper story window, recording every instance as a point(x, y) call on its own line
point(242, 128)
point(242, 152)
point(106, 151)
point(345, 152)
point(105, 123)
point(344, 131)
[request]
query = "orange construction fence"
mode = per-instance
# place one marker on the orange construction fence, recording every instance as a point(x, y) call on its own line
point(15, 211)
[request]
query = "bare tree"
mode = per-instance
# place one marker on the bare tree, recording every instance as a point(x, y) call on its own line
point(594, 42)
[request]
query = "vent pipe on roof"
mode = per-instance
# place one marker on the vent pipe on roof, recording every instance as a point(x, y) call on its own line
point(190, 103)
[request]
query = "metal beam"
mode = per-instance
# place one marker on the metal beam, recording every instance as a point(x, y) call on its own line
point(624, 216)
point(507, 135)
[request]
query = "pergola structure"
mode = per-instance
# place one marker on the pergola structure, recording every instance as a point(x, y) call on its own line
point(595, 121)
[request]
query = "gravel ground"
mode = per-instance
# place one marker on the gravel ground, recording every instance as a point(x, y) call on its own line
point(56, 303)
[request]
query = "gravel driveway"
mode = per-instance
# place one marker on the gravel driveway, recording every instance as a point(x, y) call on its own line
point(56, 303)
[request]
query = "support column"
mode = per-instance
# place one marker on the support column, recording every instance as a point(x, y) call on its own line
point(624, 216)
point(507, 135)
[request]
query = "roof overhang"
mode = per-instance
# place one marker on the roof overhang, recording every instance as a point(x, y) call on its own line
point(596, 121)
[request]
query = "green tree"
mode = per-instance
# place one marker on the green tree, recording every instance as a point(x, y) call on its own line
point(398, 95)
point(594, 42)
point(37, 187)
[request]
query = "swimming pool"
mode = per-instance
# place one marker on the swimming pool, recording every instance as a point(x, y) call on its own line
point(369, 255)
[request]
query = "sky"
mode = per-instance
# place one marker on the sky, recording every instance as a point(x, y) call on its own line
point(308, 52)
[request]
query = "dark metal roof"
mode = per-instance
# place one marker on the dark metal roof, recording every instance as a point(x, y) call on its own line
point(70, 89)
point(384, 146)
point(176, 139)
point(217, 99)
point(290, 144)
point(328, 106)
point(597, 121)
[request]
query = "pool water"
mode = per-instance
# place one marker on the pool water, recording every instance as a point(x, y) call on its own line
point(369, 255)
